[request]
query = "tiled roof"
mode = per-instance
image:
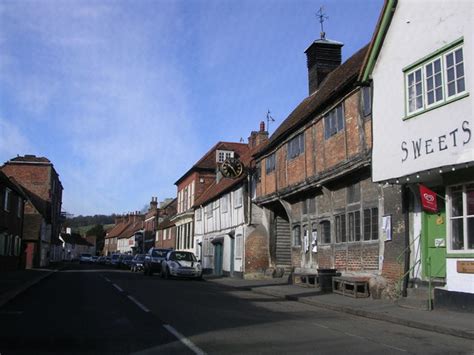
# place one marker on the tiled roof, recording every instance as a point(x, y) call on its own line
point(216, 189)
point(336, 83)
point(208, 161)
point(166, 223)
point(11, 183)
point(117, 229)
point(132, 227)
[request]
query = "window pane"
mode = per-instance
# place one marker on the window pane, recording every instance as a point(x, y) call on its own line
point(343, 228)
point(337, 223)
point(437, 65)
point(375, 223)
point(456, 202)
point(429, 83)
point(460, 70)
point(461, 86)
point(367, 224)
point(450, 74)
point(429, 69)
point(439, 94)
point(459, 56)
point(470, 200)
point(470, 233)
point(357, 225)
point(411, 79)
point(449, 60)
point(451, 89)
point(351, 227)
point(457, 233)
point(438, 80)
point(431, 97)
point(419, 102)
point(418, 75)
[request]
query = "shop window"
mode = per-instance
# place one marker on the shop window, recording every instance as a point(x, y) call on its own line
point(460, 215)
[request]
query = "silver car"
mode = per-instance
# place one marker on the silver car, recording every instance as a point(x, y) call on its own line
point(181, 264)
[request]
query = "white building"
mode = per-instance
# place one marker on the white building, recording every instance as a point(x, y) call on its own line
point(420, 63)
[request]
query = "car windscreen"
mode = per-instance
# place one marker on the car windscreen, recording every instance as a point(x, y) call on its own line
point(159, 253)
point(127, 257)
point(116, 256)
point(182, 256)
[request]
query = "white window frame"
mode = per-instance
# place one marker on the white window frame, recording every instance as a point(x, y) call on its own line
point(6, 200)
point(422, 67)
point(225, 203)
point(238, 246)
point(238, 199)
point(464, 217)
point(223, 155)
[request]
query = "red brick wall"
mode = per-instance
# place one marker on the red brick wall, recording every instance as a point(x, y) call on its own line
point(281, 167)
point(256, 253)
point(358, 256)
point(325, 257)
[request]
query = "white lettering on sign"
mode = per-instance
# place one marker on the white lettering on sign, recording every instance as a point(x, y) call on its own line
point(416, 148)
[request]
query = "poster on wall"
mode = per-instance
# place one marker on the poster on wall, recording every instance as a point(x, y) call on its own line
point(314, 241)
point(387, 227)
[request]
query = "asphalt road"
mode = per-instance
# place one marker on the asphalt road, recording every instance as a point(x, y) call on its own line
point(88, 309)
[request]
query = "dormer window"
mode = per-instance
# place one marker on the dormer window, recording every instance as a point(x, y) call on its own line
point(222, 155)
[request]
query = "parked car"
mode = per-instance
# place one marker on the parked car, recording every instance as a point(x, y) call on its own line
point(101, 260)
point(124, 261)
point(137, 263)
point(107, 260)
point(85, 258)
point(181, 264)
point(153, 259)
point(114, 259)
point(94, 259)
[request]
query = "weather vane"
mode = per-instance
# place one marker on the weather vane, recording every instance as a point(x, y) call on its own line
point(269, 119)
point(322, 16)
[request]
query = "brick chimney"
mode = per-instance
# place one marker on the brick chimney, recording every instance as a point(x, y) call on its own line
point(257, 138)
point(323, 56)
point(153, 204)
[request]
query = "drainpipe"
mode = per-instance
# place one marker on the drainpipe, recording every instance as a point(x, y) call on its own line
point(406, 209)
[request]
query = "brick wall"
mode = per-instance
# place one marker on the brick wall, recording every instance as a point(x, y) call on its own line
point(256, 252)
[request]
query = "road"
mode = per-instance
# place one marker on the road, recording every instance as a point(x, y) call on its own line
point(91, 309)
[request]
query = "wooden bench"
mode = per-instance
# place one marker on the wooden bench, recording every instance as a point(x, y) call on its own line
point(357, 287)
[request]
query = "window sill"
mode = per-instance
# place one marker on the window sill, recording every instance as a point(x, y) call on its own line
point(434, 107)
point(454, 255)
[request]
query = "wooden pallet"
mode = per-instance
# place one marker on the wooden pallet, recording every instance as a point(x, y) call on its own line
point(357, 287)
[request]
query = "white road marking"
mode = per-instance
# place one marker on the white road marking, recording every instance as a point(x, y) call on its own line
point(106, 279)
point(139, 304)
point(184, 340)
point(320, 325)
point(356, 336)
point(117, 287)
point(393, 347)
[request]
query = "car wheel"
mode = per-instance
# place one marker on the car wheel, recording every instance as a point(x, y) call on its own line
point(166, 273)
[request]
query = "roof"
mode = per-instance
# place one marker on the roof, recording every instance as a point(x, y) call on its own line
point(12, 184)
point(335, 84)
point(30, 158)
point(166, 223)
point(41, 205)
point(132, 227)
point(117, 229)
point(378, 38)
point(208, 161)
point(75, 238)
point(217, 189)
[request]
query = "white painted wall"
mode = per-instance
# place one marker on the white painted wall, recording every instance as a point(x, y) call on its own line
point(418, 29)
point(456, 281)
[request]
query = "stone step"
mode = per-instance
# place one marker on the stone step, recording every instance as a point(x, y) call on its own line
point(413, 303)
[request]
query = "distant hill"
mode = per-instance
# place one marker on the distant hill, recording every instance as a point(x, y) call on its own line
point(89, 221)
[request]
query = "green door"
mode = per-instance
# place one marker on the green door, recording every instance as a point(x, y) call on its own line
point(434, 243)
point(218, 251)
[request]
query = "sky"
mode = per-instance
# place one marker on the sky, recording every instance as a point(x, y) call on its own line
point(123, 97)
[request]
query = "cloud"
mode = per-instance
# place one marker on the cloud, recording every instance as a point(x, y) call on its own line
point(12, 141)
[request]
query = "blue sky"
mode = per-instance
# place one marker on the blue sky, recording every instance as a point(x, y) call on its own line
point(124, 96)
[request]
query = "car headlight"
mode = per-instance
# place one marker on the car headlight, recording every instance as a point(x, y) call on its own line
point(198, 266)
point(173, 265)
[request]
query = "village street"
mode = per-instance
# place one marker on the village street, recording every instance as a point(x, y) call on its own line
point(86, 308)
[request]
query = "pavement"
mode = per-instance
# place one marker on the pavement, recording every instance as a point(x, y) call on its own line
point(459, 324)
